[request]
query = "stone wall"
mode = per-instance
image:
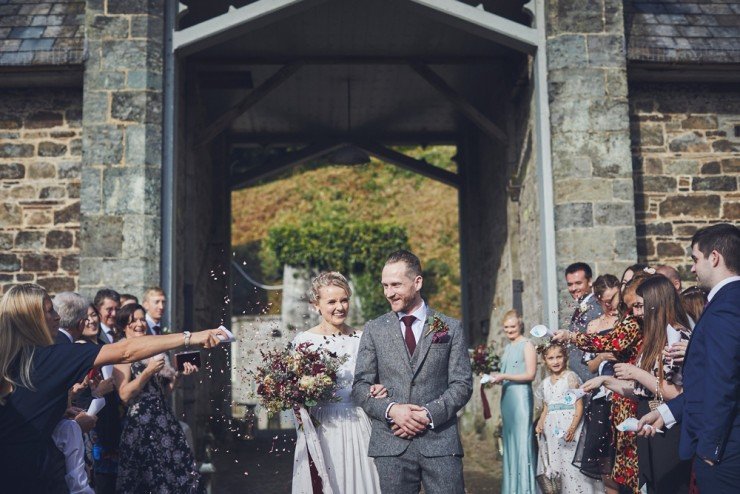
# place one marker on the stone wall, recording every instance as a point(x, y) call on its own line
point(122, 142)
point(40, 149)
point(686, 158)
point(592, 173)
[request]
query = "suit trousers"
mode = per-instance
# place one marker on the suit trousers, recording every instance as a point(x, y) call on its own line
point(722, 478)
point(402, 474)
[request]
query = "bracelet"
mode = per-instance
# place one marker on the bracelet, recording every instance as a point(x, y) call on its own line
point(186, 338)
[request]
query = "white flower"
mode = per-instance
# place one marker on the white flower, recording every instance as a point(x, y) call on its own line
point(583, 307)
point(649, 270)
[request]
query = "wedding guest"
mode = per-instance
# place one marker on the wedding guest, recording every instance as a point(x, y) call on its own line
point(624, 341)
point(154, 454)
point(578, 278)
point(630, 271)
point(92, 326)
point(693, 300)
point(345, 432)
point(68, 433)
point(560, 423)
point(127, 298)
point(107, 302)
point(107, 433)
point(595, 453)
point(658, 378)
point(154, 303)
point(654, 378)
point(518, 369)
point(708, 407)
point(35, 376)
point(671, 273)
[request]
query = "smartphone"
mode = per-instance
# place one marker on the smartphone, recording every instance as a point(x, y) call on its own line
point(182, 357)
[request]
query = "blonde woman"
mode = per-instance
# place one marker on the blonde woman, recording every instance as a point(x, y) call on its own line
point(344, 433)
point(518, 369)
point(35, 376)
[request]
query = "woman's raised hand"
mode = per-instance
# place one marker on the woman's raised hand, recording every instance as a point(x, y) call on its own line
point(677, 351)
point(155, 364)
point(593, 384)
point(188, 368)
point(625, 372)
point(561, 336)
point(208, 338)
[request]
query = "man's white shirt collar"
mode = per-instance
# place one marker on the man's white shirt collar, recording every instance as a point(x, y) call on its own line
point(721, 284)
point(150, 322)
point(420, 314)
point(107, 331)
point(64, 331)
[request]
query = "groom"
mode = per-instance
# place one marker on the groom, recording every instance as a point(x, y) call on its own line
point(421, 357)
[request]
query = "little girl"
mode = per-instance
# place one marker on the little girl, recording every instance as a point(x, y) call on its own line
point(560, 423)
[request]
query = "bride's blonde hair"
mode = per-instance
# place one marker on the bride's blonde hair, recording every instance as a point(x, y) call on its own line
point(22, 328)
point(327, 278)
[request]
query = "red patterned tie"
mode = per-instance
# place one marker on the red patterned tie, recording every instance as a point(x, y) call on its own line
point(409, 335)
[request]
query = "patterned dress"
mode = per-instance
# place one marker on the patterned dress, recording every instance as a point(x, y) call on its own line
point(624, 341)
point(155, 457)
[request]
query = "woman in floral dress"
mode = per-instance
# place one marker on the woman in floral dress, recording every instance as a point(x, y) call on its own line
point(155, 457)
point(624, 342)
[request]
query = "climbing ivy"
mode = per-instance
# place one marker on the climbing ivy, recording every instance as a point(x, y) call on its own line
point(356, 249)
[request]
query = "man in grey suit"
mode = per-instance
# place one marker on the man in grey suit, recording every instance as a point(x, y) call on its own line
point(578, 278)
point(421, 357)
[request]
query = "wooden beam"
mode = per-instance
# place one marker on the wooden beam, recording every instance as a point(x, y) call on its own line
point(236, 22)
point(228, 117)
point(415, 165)
point(250, 61)
point(284, 162)
point(481, 23)
point(250, 139)
point(464, 106)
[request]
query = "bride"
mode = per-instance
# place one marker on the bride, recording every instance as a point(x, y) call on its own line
point(344, 429)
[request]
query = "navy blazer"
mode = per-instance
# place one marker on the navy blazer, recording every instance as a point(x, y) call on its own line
point(709, 405)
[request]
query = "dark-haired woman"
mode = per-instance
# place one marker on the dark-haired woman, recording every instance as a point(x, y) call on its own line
point(657, 378)
point(624, 341)
point(595, 452)
point(155, 456)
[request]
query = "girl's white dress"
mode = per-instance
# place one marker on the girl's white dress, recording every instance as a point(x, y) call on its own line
point(344, 430)
point(558, 419)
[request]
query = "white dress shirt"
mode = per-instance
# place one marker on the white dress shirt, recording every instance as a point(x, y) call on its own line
point(67, 437)
point(663, 409)
point(107, 333)
point(417, 327)
point(151, 323)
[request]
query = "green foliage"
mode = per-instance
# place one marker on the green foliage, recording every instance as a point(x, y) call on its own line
point(357, 249)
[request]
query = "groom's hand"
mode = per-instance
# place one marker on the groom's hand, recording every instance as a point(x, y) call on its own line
point(411, 419)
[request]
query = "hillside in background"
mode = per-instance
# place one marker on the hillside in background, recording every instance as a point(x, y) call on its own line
point(427, 209)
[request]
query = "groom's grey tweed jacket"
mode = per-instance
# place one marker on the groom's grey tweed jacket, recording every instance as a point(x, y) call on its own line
point(437, 377)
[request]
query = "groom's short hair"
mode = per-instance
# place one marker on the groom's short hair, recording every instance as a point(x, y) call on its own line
point(413, 264)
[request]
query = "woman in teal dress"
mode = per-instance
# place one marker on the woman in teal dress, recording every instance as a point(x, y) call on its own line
point(518, 368)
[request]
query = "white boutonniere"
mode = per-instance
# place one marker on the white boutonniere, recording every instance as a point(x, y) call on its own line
point(583, 308)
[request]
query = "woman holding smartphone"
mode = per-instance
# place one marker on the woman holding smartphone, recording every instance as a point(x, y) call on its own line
point(154, 455)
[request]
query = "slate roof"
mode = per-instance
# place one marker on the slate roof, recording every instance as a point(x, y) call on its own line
point(38, 32)
point(683, 31)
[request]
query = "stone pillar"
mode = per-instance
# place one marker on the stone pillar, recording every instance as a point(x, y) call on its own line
point(592, 166)
point(122, 146)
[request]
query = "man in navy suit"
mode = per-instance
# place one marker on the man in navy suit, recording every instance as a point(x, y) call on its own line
point(709, 407)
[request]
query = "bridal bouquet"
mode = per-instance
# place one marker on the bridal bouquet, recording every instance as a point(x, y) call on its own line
point(297, 376)
point(484, 360)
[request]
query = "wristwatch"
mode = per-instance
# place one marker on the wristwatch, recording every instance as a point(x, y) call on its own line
point(186, 337)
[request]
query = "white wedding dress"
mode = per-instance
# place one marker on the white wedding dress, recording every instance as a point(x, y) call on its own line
point(344, 430)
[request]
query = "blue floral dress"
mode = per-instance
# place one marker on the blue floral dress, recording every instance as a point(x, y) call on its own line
point(155, 457)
